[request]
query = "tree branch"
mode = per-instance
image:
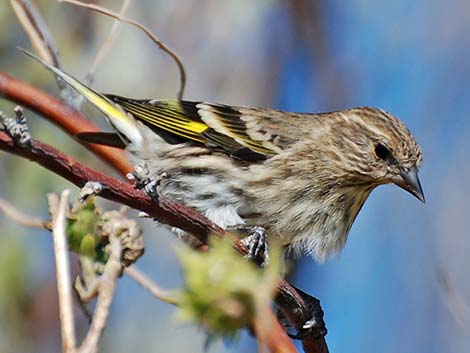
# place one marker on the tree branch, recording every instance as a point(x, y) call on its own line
point(166, 211)
point(58, 211)
point(106, 291)
point(68, 119)
point(36, 30)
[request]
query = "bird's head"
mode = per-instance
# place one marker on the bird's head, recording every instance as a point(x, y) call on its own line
point(382, 150)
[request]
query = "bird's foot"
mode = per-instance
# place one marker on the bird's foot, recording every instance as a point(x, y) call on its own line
point(143, 180)
point(16, 127)
point(315, 325)
point(257, 243)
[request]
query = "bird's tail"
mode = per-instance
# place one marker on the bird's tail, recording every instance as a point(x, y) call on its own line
point(124, 124)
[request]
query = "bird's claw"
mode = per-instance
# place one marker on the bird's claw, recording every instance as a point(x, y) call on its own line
point(143, 180)
point(257, 244)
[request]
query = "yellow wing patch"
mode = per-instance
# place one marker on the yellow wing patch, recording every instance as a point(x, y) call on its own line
point(169, 115)
point(189, 120)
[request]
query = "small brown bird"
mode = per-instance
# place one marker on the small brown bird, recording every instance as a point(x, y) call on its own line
point(301, 178)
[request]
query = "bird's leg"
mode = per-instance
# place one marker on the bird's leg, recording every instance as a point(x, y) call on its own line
point(143, 180)
point(315, 325)
point(257, 243)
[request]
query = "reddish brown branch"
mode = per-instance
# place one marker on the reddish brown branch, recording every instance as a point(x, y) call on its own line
point(274, 336)
point(68, 119)
point(166, 211)
point(294, 308)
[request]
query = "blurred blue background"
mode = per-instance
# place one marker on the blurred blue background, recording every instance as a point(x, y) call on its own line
point(401, 284)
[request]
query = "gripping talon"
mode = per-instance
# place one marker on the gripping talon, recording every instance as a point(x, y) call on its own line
point(143, 180)
point(257, 243)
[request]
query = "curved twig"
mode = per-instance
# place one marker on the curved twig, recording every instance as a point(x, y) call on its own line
point(21, 218)
point(106, 291)
point(104, 47)
point(145, 282)
point(144, 29)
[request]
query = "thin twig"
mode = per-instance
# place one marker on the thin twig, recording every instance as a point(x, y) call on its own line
point(144, 29)
point(36, 29)
point(147, 283)
point(22, 218)
point(58, 210)
point(106, 291)
point(44, 44)
point(104, 47)
point(270, 333)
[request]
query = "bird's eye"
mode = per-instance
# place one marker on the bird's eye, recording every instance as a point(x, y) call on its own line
point(382, 152)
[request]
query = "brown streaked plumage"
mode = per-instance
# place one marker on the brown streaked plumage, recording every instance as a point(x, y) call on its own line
point(302, 177)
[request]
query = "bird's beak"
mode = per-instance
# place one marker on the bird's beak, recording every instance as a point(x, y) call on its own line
point(409, 181)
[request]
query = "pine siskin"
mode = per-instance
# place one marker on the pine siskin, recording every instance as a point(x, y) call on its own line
point(301, 178)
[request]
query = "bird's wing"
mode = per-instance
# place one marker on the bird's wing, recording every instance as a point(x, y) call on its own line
point(237, 131)
point(248, 134)
point(259, 129)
